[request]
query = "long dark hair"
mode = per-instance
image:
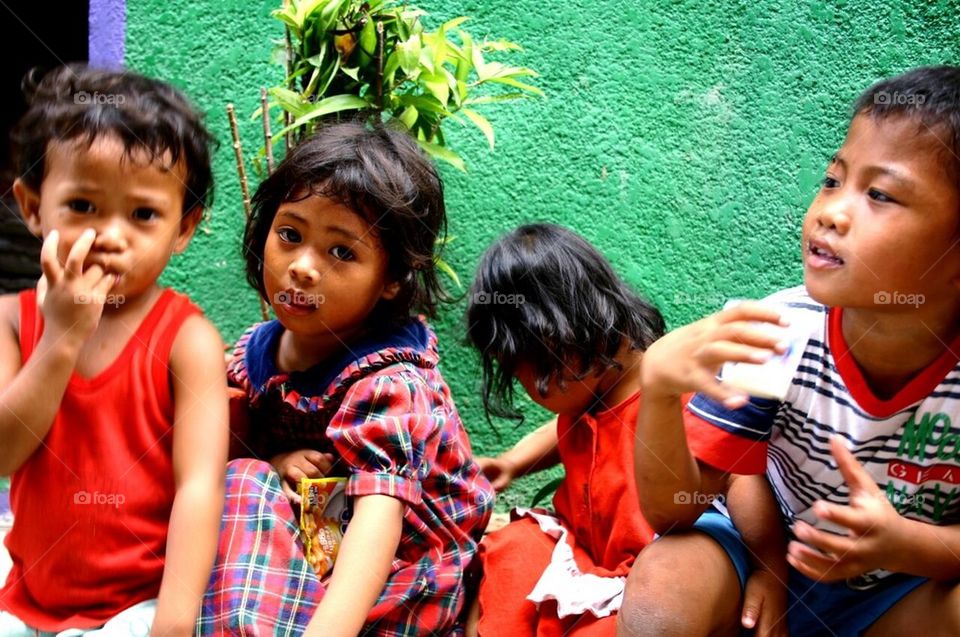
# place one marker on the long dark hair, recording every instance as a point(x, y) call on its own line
point(545, 297)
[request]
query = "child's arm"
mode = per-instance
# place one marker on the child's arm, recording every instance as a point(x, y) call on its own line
point(363, 565)
point(878, 537)
point(30, 397)
point(755, 513)
point(200, 433)
point(534, 452)
point(688, 360)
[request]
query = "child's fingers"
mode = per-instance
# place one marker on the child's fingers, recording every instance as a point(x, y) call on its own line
point(749, 334)
point(846, 516)
point(104, 285)
point(813, 563)
point(853, 472)
point(322, 461)
point(730, 397)
point(752, 311)
point(78, 253)
point(823, 541)
point(752, 603)
point(291, 495)
point(49, 262)
point(716, 354)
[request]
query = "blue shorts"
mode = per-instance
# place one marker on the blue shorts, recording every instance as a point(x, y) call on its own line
point(719, 527)
point(815, 608)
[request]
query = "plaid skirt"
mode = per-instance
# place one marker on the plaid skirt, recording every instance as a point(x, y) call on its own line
point(261, 583)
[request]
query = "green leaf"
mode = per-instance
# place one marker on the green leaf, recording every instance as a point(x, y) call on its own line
point(439, 152)
point(465, 63)
point(409, 52)
point(482, 123)
point(444, 267)
point(351, 72)
point(437, 86)
point(545, 491)
point(439, 48)
point(334, 104)
point(488, 99)
point(409, 116)
point(424, 103)
point(509, 81)
point(290, 101)
point(500, 45)
point(454, 23)
point(390, 68)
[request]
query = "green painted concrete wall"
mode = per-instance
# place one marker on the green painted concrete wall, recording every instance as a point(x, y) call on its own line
point(685, 139)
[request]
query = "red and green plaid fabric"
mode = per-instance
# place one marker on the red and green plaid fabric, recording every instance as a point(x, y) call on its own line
point(390, 421)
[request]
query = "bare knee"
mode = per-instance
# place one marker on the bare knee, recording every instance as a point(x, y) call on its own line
point(658, 599)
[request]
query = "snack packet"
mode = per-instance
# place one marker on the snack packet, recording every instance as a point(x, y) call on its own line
point(323, 520)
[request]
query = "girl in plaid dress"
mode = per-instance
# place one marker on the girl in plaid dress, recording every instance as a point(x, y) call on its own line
point(345, 383)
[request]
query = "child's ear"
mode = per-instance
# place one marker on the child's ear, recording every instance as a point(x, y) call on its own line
point(188, 225)
point(390, 291)
point(29, 201)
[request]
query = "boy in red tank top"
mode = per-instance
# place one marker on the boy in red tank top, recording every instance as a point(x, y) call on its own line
point(113, 410)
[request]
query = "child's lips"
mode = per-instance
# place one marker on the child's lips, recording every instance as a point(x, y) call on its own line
point(821, 256)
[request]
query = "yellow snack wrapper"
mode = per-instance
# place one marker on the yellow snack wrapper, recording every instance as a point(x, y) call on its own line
point(323, 520)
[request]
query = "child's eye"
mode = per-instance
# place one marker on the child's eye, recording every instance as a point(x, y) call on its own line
point(830, 182)
point(342, 253)
point(81, 205)
point(880, 197)
point(145, 214)
point(288, 235)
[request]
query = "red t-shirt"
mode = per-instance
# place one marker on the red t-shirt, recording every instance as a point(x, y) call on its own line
point(92, 504)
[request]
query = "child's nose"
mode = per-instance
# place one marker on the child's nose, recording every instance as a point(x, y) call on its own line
point(835, 214)
point(110, 238)
point(303, 271)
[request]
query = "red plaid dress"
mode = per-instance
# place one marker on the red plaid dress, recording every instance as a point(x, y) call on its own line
point(385, 412)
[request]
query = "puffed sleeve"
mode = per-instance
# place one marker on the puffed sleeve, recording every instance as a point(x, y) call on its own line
point(387, 430)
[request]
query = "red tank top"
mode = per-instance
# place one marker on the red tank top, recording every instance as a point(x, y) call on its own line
point(92, 504)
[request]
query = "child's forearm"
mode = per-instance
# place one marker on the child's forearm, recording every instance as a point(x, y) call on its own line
point(672, 486)
point(362, 567)
point(191, 547)
point(29, 403)
point(534, 452)
point(755, 513)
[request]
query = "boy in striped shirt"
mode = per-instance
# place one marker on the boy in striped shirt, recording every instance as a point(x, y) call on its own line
point(863, 454)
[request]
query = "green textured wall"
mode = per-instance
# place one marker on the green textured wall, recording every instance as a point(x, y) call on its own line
point(684, 139)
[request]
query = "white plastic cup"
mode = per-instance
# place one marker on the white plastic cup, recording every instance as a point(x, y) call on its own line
point(772, 379)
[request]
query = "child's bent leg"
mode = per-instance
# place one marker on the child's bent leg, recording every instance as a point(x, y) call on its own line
point(932, 610)
point(683, 584)
point(261, 581)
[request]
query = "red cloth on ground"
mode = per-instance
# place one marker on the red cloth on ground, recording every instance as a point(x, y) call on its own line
point(92, 504)
point(597, 502)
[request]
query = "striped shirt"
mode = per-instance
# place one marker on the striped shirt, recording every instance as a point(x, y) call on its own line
point(908, 443)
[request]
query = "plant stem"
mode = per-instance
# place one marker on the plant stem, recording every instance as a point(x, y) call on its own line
point(379, 69)
point(267, 135)
point(288, 47)
point(244, 185)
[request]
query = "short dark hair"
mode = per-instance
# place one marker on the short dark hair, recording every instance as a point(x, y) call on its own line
point(79, 103)
point(544, 296)
point(929, 94)
point(383, 176)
